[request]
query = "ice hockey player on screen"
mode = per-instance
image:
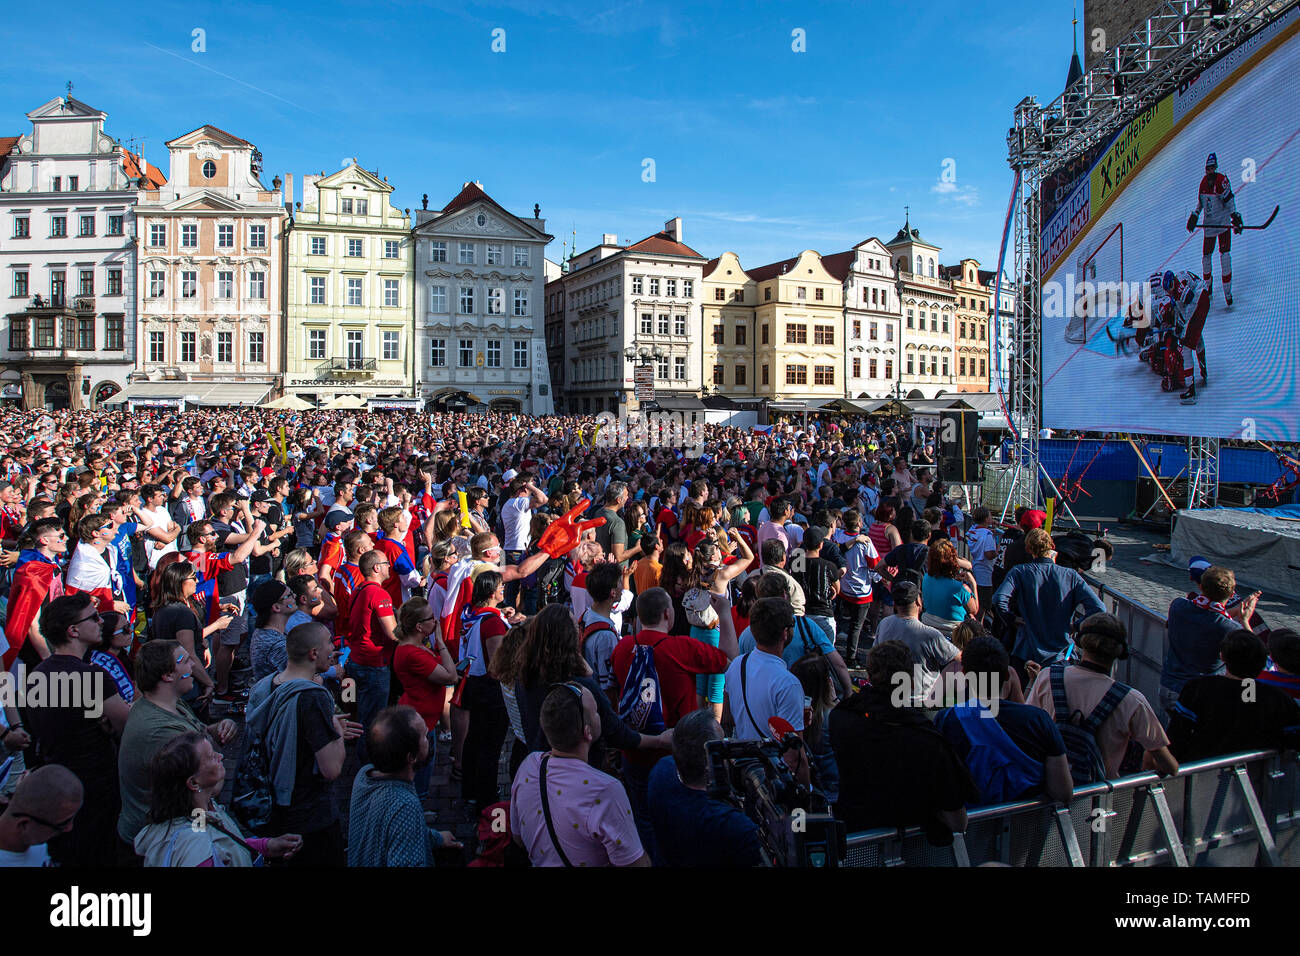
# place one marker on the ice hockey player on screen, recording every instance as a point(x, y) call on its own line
point(1191, 304)
point(1216, 200)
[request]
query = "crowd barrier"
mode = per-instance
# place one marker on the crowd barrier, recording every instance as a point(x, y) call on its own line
point(1146, 640)
point(1236, 810)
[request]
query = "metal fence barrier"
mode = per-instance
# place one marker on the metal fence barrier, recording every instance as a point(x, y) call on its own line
point(1236, 810)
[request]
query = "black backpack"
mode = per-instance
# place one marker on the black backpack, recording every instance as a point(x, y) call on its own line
point(915, 570)
point(1079, 733)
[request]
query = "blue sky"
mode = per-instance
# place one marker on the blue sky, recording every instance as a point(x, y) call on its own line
point(762, 150)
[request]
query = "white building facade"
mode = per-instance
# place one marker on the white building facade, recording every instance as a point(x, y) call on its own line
point(480, 276)
point(632, 305)
point(67, 259)
point(871, 319)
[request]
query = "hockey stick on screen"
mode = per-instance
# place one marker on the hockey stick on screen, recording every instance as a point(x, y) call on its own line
point(1268, 222)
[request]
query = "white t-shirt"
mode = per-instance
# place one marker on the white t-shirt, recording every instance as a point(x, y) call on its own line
point(516, 515)
point(36, 855)
point(161, 519)
point(770, 690)
point(980, 540)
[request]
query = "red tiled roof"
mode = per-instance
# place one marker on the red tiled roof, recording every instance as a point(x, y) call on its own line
point(772, 269)
point(7, 143)
point(710, 266)
point(471, 192)
point(152, 174)
point(216, 129)
point(839, 264)
point(663, 244)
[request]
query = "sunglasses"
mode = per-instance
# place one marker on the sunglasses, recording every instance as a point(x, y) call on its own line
point(46, 823)
point(95, 616)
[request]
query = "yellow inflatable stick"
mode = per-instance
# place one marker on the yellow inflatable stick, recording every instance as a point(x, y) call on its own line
point(1051, 511)
point(284, 447)
point(464, 509)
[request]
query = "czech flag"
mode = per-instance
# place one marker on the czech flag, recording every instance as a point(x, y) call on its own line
point(762, 429)
point(36, 578)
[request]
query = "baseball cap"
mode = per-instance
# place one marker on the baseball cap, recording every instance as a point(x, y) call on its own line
point(1101, 627)
point(261, 494)
point(1033, 519)
point(1196, 567)
point(813, 538)
point(336, 518)
point(267, 593)
point(905, 592)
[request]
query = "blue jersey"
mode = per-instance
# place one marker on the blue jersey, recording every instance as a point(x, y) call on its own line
point(120, 550)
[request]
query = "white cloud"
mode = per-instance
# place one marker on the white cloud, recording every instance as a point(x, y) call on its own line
point(951, 192)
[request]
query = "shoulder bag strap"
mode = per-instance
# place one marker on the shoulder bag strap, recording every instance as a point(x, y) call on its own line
point(745, 697)
point(1105, 707)
point(1061, 706)
point(546, 811)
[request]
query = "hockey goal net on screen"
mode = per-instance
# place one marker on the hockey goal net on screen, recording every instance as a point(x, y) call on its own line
point(1098, 284)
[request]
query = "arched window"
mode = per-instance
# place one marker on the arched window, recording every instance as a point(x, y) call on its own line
point(919, 269)
point(931, 268)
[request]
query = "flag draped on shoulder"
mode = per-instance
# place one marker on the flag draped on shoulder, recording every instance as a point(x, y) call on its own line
point(89, 573)
point(36, 580)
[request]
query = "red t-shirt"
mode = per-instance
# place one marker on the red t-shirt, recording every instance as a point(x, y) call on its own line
point(413, 665)
point(393, 585)
point(370, 646)
point(677, 660)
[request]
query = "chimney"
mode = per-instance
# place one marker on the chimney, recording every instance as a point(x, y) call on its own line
point(674, 228)
point(309, 194)
point(609, 239)
point(288, 191)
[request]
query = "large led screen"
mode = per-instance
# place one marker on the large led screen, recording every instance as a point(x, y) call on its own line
point(1171, 292)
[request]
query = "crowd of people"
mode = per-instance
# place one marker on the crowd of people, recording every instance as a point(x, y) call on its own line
point(398, 586)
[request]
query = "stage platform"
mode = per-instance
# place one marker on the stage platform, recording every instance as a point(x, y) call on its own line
point(1260, 544)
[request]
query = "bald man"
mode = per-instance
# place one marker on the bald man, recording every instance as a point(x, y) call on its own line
point(44, 805)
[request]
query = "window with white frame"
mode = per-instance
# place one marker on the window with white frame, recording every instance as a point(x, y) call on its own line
point(647, 323)
point(257, 347)
point(157, 285)
point(688, 288)
point(670, 287)
point(496, 253)
point(465, 357)
point(437, 298)
point(225, 285)
point(315, 343)
point(663, 324)
point(257, 236)
point(521, 302)
point(354, 292)
point(438, 251)
point(392, 293)
point(521, 354)
point(225, 348)
point(114, 281)
point(679, 368)
point(637, 285)
point(654, 290)
point(157, 347)
point(189, 346)
point(679, 325)
point(496, 301)
point(226, 236)
point(493, 353)
point(521, 255)
point(438, 353)
point(257, 285)
point(392, 249)
point(318, 245)
point(86, 226)
point(317, 294)
point(465, 253)
point(157, 234)
point(391, 343)
point(189, 235)
point(662, 367)
point(189, 284)
point(354, 248)
point(86, 282)
point(115, 225)
point(466, 300)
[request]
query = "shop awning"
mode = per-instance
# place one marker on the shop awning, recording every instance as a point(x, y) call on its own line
point(205, 394)
point(678, 403)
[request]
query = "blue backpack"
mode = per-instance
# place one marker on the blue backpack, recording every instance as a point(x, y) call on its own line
point(641, 706)
point(1000, 769)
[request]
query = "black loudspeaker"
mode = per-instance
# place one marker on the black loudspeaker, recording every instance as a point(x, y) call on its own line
point(958, 446)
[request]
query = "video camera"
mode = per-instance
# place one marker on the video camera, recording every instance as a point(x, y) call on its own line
point(796, 825)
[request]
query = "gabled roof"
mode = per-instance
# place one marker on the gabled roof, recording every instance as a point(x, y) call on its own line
point(711, 266)
point(137, 167)
point(230, 138)
point(471, 193)
point(62, 106)
point(662, 244)
point(358, 170)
